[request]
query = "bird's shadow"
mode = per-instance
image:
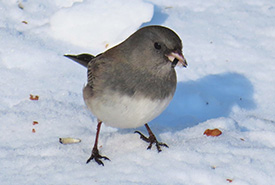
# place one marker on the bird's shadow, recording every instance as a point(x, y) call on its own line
point(210, 97)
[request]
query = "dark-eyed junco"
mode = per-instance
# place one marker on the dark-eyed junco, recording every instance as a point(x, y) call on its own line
point(133, 82)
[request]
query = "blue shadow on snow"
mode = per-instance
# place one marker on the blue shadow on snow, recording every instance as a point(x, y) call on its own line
point(158, 17)
point(210, 97)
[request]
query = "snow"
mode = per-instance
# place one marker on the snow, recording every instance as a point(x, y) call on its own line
point(84, 22)
point(229, 84)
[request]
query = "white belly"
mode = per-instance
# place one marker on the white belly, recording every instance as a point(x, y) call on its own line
point(124, 111)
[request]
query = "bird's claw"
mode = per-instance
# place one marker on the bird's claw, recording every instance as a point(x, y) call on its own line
point(151, 140)
point(95, 155)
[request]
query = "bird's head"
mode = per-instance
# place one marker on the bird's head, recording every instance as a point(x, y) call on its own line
point(159, 45)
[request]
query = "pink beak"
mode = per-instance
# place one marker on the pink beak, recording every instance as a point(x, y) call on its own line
point(178, 58)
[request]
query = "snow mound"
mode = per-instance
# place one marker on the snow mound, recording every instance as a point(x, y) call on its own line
point(79, 24)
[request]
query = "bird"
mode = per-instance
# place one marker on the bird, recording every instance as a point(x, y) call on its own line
point(133, 82)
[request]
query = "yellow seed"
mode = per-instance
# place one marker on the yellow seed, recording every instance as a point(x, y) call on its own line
point(69, 140)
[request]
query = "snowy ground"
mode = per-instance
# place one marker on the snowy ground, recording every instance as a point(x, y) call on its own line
point(229, 84)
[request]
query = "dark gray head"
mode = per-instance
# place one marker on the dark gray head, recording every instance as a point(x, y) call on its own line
point(155, 46)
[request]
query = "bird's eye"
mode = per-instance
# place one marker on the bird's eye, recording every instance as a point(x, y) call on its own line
point(157, 45)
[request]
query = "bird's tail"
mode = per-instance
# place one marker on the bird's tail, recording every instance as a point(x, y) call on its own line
point(82, 59)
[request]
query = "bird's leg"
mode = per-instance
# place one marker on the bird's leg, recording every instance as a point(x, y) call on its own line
point(95, 154)
point(151, 139)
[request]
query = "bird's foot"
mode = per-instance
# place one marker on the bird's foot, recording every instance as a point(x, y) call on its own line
point(151, 140)
point(95, 155)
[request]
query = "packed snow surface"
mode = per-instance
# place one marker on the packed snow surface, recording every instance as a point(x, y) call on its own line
point(229, 84)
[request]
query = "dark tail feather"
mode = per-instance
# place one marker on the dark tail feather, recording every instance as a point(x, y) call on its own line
point(82, 59)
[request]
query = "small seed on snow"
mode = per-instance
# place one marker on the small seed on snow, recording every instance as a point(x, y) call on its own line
point(69, 140)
